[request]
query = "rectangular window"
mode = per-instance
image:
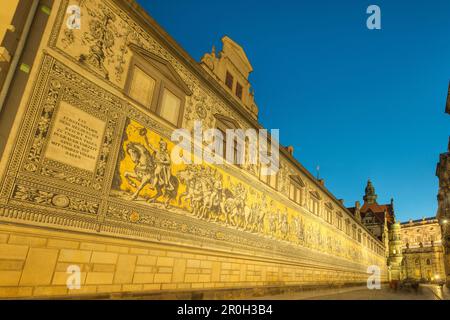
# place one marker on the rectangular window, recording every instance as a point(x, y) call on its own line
point(314, 206)
point(224, 144)
point(170, 107)
point(142, 87)
point(329, 216)
point(339, 222)
point(273, 181)
point(295, 193)
point(270, 180)
point(229, 81)
point(239, 90)
point(292, 192)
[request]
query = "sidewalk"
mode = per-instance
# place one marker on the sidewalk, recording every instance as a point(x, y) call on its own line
point(362, 293)
point(446, 293)
point(442, 293)
point(311, 294)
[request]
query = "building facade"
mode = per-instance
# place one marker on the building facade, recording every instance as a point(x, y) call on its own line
point(377, 218)
point(380, 220)
point(443, 214)
point(423, 258)
point(86, 179)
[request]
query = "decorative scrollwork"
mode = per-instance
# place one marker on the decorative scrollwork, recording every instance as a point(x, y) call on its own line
point(51, 199)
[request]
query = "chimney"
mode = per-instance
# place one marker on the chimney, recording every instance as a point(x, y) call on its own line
point(322, 182)
point(357, 205)
point(290, 149)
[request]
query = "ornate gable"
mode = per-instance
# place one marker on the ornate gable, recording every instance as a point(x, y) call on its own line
point(237, 56)
point(162, 66)
point(231, 68)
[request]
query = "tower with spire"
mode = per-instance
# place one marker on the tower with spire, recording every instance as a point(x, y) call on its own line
point(376, 217)
point(379, 219)
point(370, 196)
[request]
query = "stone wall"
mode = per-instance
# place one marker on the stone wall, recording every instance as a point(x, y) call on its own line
point(34, 262)
point(60, 206)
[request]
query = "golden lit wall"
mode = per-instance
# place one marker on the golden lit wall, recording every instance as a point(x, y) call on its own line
point(423, 250)
point(81, 185)
point(6, 15)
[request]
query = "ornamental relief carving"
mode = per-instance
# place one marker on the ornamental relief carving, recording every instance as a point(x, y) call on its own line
point(146, 178)
point(70, 137)
point(112, 150)
point(33, 195)
point(198, 200)
point(102, 46)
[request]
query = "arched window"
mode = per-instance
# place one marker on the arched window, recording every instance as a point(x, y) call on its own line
point(428, 262)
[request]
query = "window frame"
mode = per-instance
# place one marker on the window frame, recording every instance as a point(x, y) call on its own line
point(239, 92)
point(177, 93)
point(228, 73)
point(223, 124)
point(267, 179)
point(149, 70)
point(163, 82)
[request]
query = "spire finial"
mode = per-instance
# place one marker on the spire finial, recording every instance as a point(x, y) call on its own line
point(370, 196)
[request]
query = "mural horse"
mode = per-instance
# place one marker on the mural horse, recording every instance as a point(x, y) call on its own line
point(144, 173)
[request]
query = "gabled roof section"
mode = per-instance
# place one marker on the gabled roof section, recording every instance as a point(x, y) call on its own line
point(228, 122)
point(298, 180)
point(329, 205)
point(379, 211)
point(379, 216)
point(316, 195)
point(162, 65)
point(232, 49)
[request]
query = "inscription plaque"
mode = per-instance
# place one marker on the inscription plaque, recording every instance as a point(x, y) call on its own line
point(76, 138)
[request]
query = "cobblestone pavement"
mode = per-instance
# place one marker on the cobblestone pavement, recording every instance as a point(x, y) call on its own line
point(428, 292)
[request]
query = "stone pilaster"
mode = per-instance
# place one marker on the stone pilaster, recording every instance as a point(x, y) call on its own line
point(395, 252)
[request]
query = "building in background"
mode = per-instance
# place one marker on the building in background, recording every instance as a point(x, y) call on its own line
point(377, 218)
point(443, 214)
point(423, 258)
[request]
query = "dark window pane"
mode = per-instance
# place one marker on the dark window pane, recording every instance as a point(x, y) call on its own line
point(239, 90)
point(229, 81)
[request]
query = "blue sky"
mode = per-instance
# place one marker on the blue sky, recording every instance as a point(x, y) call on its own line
point(359, 103)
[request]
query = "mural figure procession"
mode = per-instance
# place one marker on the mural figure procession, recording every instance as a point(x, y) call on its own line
point(197, 188)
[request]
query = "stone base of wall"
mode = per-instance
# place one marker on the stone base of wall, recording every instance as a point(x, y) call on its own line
point(34, 262)
point(208, 294)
